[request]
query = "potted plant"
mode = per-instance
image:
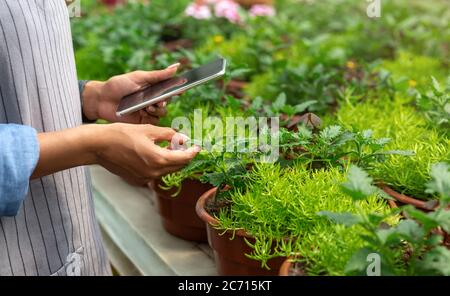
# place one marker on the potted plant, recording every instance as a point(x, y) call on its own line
point(276, 218)
point(317, 159)
point(404, 179)
point(414, 246)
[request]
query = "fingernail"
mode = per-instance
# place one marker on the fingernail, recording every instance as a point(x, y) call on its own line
point(196, 148)
point(164, 104)
point(182, 137)
point(151, 109)
point(176, 65)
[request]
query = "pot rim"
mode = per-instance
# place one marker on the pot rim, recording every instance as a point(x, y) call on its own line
point(405, 198)
point(212, 221)
point(285, 267)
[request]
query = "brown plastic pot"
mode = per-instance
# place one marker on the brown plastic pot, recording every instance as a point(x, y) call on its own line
point(178, 213)
point(230, 247)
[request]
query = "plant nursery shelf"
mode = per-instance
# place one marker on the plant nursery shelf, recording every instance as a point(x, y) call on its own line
point(134, 237)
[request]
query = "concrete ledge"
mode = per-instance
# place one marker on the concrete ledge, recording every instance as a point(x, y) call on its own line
point(134, 236)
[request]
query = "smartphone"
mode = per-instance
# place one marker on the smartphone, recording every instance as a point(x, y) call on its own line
point(162, 90)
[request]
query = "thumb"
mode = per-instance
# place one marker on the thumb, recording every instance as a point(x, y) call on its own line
point(152, 77)
point(159, 134)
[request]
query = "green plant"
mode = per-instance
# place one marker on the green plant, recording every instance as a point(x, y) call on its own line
point(300, 84)
point(411, 71)
point(413, 246)
point(279, 205)
point(335, 146)
point(408, 130)
point(436, 103)
point(278, 108)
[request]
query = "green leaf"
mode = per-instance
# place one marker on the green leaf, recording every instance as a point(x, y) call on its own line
point(382, 141)
point(279, 102)
point(347, 219)
point(398, 152)
point(436, 84)
point(357, 265)
point(257, 103)
point(440, 183)
point(388, 236)
point(330, 132)
point(426, 219)
point(344, 138)
point(436, 261)
point(303, 106)
point(215, 179)
point(363, 261)
point(367, 134)
point(410, 230)
point(359, 184)
point(239, 72)
point(442, 217)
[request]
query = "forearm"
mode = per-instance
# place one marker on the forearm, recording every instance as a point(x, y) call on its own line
point(66, 149)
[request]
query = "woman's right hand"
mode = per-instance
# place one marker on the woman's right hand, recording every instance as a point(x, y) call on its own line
point(131, 152)
point(127, 150)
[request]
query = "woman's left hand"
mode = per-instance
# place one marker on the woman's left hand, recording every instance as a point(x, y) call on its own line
point(100, 99)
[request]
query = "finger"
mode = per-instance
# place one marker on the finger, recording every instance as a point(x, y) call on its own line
point(157, 133)
point(179, 142)
point(162, 104)
point(151, 77)
point(158, 112)
point(177, 157)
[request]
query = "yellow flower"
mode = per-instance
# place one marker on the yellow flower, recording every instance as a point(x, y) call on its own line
point(218, 39)
point(412, 83)
point(351, 65)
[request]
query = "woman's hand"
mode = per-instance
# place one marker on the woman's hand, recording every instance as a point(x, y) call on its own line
point(100, 99)
point(127, 150)
point(130, 152)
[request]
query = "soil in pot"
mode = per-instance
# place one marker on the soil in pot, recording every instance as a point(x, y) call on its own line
point(178, 213)
point(230, 247)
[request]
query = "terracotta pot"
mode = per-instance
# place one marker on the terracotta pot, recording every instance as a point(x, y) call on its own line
point(285, 267)
point(404, 199)
point(230, 247)
point(289, 268)
point(178, 213)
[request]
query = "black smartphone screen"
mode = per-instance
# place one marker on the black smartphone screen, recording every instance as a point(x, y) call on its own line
point(158, 92)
